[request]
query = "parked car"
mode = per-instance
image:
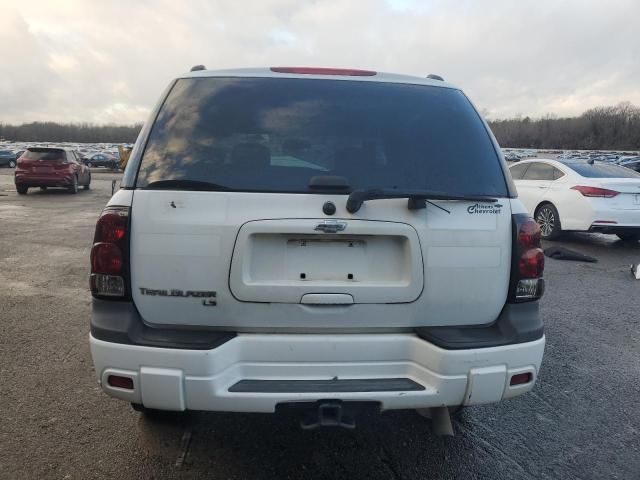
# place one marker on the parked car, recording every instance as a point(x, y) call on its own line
point(51, 167)
point(633, 164)
point(627, 159)
point(7, 158)
point(585, 196)
point(291, 239)
point(101, 160)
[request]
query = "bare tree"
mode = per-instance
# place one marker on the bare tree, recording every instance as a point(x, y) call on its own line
point(604, 128)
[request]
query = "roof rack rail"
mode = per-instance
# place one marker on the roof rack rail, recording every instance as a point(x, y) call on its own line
point(197, 68)
point(433, 76)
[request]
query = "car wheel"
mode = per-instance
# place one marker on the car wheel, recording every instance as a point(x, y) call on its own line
point(629, 237)
point(549, 220)
point(21, 189)
point(89, 164)
point(74, 187)
point(12, 164)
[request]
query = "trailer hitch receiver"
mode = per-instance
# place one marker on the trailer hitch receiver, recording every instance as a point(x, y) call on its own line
point(330, 413)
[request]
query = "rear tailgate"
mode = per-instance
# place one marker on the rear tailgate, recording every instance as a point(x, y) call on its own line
point(270, 268)
point(43, 160)
point(227, 216)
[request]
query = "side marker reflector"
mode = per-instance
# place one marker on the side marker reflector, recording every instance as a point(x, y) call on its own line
point(520, 379)
point(120, 382)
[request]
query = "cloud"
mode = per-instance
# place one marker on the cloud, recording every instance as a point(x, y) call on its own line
point(88, 60)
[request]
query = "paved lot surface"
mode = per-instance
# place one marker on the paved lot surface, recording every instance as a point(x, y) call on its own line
point(581, 421)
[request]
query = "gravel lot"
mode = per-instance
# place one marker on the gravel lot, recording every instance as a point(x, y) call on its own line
point(581, 421)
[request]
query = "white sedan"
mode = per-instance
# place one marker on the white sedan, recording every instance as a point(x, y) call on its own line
point(580, 195)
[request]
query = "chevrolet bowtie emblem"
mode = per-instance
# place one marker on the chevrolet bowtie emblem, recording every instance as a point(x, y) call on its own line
point(331, 226)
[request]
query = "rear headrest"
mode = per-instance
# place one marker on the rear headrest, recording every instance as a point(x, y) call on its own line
point(251, 155)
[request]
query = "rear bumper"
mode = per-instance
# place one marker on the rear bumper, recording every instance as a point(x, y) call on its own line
point(120, 322)
point(596, 219)
point(613, 229)
point(49, 180)
point(256, 372)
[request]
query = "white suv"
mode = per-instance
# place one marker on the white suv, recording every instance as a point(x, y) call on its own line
point(315, 237)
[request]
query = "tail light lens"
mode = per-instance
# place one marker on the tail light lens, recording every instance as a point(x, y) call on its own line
point(106, 258)
point(350, 72)
point(531, 264)
point(109, 254)
point(595, 191)
point(527, 265)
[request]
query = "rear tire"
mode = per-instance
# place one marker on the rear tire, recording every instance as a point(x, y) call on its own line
point(629, 237)
point(549, 220)
point(21, 189)
point(12, 164)
point(74, 187)
point(89, 164)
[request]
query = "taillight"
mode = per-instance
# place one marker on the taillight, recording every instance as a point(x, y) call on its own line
point(109, 254)
point(349, 72)
point(106, 258)
point(527, 265)
point(531, 263)
point(595, 191)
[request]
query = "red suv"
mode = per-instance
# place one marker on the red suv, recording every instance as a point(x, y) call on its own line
point(51, 167)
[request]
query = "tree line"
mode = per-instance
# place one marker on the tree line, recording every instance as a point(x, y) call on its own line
point(602, 128)
point(69, 132)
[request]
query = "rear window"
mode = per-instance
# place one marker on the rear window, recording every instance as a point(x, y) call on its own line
point(50, 154)
point(602, 170)
point(274, 135)
point(517, 171)
point(539, 171)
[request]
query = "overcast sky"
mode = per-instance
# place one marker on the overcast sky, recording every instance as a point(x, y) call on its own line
point(108, 61)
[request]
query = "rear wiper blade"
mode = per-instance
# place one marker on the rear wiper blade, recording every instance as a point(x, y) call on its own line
point(417, 198)
point(182, 184)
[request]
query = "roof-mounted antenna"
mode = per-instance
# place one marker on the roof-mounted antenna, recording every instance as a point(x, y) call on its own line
point(433, 76)
point(197, 68)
